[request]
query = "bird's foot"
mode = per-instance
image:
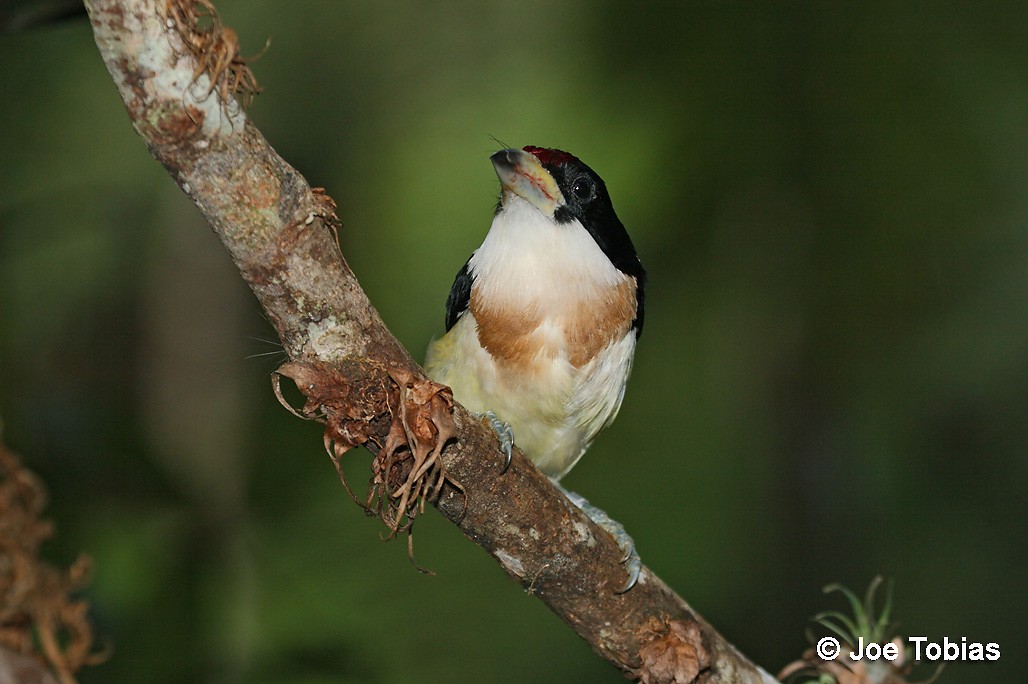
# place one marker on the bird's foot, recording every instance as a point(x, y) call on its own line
point(630, 559)
point(503, 433)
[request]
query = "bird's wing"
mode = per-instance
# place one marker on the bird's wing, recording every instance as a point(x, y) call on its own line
point(460, 295)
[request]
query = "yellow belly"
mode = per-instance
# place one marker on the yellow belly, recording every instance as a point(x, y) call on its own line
point(554, 409)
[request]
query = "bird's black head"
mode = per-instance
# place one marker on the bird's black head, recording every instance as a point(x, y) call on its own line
point(586, 199)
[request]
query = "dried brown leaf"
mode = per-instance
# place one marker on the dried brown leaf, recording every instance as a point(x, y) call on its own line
point(676, 654)
point(216, 49)
point(350, 401)
point(35, 597)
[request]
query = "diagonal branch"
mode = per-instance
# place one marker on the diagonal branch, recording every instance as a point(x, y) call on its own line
point(177, 82)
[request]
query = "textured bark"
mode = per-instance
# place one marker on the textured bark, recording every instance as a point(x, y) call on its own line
point(280, 234)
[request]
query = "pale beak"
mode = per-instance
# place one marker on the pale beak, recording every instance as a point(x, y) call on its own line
point(521, 173)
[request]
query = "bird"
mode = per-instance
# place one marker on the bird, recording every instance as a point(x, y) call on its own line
point(543, 319)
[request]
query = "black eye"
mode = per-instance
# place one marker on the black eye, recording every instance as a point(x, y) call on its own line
point(583, 188)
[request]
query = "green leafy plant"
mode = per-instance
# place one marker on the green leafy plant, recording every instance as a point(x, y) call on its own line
point(865, 624)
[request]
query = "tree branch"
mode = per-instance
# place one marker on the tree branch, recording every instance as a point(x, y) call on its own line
point(178, 82)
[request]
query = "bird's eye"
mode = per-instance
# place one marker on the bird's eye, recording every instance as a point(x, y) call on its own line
point(583, 188)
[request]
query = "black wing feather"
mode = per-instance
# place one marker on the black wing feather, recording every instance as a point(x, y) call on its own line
point(460, 295)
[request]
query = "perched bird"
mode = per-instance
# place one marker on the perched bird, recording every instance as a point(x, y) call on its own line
point(543, 319)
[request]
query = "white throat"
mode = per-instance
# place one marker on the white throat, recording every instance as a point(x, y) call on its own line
point(528, 256)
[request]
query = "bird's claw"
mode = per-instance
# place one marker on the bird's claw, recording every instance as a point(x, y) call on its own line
point(631, 561)
point(503, 433)
point(630, 558)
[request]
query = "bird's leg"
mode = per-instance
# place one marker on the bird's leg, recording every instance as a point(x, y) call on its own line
point(503, 433)
point(630, 559)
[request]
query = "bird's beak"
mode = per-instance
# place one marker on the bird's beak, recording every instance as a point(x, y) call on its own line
point(521, 173)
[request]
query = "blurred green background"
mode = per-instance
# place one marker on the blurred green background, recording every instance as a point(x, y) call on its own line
point(831, 202)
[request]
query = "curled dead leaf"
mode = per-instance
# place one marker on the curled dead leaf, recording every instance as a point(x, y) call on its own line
point(352, 402)
point(37, 614)
point(675, 654)
point(327, 212)
point(421, 427)
point(216, 49)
